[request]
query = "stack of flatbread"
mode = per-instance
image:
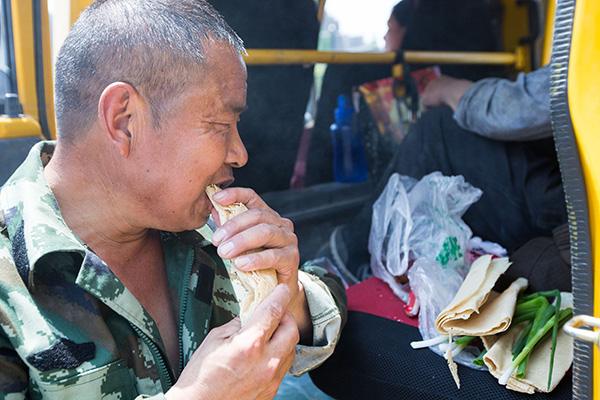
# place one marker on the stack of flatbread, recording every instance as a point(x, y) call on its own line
point(499, 357)
point(475, 309)
point(478, 311)
point(257, 284)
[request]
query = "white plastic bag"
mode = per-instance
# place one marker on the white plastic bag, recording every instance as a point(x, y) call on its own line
point(435, 287)
point(419, 219)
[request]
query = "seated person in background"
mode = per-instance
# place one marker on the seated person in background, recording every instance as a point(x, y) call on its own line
point(397, 24)
point(498, 135)
point(110, 285)
point(440, 25)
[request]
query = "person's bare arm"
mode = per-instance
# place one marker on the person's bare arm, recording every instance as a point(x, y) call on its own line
point(445, 90)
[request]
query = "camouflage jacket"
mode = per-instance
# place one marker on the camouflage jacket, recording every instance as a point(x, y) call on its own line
point(69, 327)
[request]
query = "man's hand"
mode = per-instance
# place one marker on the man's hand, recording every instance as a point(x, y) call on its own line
point(445, 90)
point(243, 363)
point(262, 227)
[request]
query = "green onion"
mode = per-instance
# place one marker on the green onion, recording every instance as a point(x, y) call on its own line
point(464, 339)
point(522, 340)
point(548, 293)
point(523, 317)
point(479, 359)
point(543, 314)
point(554, 337)
point(522, 367)
point(531, 305)
point(563, 314)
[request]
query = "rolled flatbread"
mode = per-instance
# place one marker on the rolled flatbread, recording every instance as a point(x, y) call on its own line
point(257, 284)
point(465, 314)
point(499, 357)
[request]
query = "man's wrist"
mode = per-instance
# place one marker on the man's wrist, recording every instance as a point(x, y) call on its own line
point(301, 312)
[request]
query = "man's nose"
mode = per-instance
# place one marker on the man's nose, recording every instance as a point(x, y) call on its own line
point(237, 155)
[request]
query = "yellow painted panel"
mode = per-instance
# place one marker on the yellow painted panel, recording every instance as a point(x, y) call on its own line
point(584, 104)
point(48, 77)
point(19, 127)
point(77, 6)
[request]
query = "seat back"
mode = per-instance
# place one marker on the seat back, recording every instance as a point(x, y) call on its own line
point(277, 95)
point(12, 154)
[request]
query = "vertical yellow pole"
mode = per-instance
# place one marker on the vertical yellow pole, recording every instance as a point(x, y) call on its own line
point(547, 46)
point(321, 10)
point(47, 65)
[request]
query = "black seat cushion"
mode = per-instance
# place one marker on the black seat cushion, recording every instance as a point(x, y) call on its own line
point(374, 360)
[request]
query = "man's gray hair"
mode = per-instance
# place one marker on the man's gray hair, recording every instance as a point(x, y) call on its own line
point(157, 46)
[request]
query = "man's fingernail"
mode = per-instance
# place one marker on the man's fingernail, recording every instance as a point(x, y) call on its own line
point(225, 249)
point(287, 288)
point(218, 195)
point(241, 262)
point(218, 236)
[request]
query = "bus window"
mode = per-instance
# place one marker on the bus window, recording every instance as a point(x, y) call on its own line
point(7, 77)
point(354, 25)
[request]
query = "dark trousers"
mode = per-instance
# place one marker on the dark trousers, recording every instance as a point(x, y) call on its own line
point(522, 189)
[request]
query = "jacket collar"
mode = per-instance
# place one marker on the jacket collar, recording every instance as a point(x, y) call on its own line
point(32, 216)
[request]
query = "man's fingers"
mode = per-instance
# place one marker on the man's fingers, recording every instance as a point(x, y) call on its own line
point(269, 313)
point(227, 330)
point(261, 236)
point(284, 260)
point(242, 195)
point(286, 335)
point(254, 217)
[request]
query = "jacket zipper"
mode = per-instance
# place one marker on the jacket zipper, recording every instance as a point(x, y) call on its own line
point(161, 364)
point(164, 370)
point(184, 299)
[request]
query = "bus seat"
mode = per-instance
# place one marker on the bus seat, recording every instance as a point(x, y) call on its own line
point(12, 154)
point(272, 126)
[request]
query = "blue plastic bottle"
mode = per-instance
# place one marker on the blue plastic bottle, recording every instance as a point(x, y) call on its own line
point(349, 164)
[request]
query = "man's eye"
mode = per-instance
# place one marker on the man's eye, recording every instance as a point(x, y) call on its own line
point(223, 127)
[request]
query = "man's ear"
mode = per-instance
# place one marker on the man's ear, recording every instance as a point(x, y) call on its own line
point(119, 102)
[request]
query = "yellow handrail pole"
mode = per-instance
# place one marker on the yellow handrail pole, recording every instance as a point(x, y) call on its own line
point(295, 57)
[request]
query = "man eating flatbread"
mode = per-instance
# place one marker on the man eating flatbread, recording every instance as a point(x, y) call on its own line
point(257, 284)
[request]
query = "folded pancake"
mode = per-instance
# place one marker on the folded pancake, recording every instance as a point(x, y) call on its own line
point(499, 357)
point(463, 316)
point(494, 316)
point(257, 284)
